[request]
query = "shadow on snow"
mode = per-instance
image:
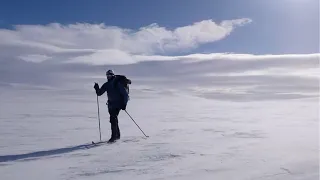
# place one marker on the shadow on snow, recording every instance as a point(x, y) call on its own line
point(38, 154)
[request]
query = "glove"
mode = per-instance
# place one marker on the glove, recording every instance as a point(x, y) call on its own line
point(96, 86)
point(124, 107)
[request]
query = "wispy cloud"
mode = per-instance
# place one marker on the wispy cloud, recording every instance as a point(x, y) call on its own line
point(76, 42)
point(34, 58)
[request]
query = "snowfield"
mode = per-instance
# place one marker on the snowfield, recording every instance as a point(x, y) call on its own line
point(46, 135)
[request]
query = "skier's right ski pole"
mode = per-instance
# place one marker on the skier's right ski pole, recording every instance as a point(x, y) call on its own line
point(99, 116)
point(135, 123)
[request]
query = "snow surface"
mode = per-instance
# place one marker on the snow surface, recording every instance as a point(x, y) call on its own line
point(44, 132)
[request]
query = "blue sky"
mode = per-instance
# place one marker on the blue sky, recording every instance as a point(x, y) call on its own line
point(277, 27)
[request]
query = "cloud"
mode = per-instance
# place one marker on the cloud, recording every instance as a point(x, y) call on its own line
point(223, 76)
point(76, 42)
point(115, 56)
point(34, 58)
point(72, 56)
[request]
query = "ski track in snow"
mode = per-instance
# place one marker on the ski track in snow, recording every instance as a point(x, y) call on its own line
point(190, 138)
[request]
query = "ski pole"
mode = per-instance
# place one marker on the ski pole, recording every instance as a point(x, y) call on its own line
point(135, 123)
point(99, 116)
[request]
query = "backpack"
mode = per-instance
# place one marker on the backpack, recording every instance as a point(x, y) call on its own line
point(124, 81)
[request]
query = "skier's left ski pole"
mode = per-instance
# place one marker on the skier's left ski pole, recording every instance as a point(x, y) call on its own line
point(136, 123)
point(99, 116)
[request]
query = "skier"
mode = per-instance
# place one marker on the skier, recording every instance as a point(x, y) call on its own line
point(118, 97)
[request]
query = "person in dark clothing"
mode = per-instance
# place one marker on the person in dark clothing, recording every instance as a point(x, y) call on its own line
point(117, 99)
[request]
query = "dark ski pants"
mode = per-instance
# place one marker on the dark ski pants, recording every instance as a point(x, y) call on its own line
point(115, 131)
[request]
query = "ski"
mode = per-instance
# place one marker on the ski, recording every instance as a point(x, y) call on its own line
point(99, 142)
point(93, 144)
point(102, 142)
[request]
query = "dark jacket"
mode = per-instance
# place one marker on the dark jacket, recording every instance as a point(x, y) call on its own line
point(117, 95)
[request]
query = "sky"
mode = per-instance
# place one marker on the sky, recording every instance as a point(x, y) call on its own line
point(277, 27)
point(41, 41)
